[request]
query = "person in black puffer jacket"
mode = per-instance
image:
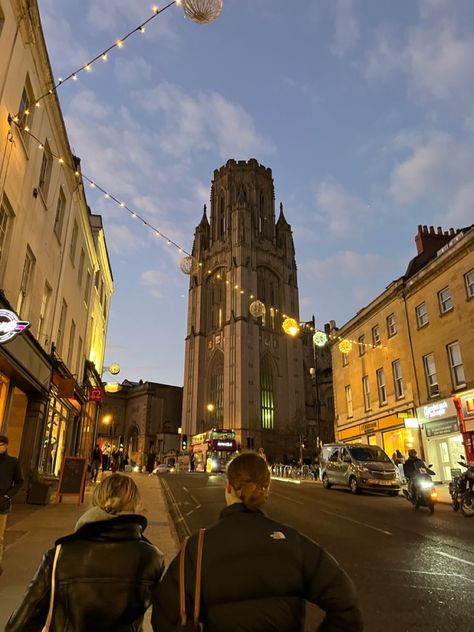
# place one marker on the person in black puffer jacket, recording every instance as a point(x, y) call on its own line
point(106, 573)
point(257, 573)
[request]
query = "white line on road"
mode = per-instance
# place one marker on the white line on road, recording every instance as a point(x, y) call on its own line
point(452, 557)
point(363, 524)
point(293, 500)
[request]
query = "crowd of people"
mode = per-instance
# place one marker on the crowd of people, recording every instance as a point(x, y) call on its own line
point(253, 573)
point(105, 459)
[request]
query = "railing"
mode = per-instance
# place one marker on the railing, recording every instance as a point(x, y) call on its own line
point(304, 473)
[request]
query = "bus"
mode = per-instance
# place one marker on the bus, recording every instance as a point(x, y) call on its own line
point(212, 450)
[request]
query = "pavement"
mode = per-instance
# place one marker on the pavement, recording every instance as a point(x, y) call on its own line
point(33, 529)
point(442, 490)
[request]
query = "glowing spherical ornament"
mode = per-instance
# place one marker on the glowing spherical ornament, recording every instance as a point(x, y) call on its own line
point(345, 346)
point(114, 368)
point(202, 11)
point(257, 309)
point(320, 338)
point(291, 327)
point(188, 265)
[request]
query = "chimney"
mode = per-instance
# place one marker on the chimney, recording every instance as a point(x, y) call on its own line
point(428, 241)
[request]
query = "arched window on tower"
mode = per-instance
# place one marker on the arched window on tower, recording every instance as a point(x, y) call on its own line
point(268, 293)
point(215, 404)
point(216, 291)
point(221, 218)
point(261, 215)
point(266, 394)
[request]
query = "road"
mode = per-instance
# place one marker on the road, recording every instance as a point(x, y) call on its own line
point(413, 571)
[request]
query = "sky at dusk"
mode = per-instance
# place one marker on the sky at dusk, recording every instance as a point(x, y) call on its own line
point(363, 109)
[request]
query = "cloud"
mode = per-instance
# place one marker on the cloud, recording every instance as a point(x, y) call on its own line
point(120, 238)
point(132, 70)
point(156, 281)
point(346, 27)
point(204, 122)
point(338, 210)
point(346, 264)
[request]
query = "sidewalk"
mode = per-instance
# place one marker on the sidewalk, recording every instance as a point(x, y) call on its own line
point(32, 530)
point(443, 490)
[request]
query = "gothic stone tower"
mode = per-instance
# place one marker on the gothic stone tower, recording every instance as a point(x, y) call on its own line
point(241, 372)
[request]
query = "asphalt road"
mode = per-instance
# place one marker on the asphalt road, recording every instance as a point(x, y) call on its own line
point(413, 571)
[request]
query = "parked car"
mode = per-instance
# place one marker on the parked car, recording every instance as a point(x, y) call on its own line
point(359, 466)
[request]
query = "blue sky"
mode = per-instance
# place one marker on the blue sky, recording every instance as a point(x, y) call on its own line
point(363, 109)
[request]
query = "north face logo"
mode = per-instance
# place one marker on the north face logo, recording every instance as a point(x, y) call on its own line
point(278, 535)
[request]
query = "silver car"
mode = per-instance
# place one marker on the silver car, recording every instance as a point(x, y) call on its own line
point(359, 466)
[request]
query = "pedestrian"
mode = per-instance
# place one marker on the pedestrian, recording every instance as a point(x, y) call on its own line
point(397, 457)
point(96, 458)
point(11, 480)
point(106, 570)
point(106, 458)
point(256, 572)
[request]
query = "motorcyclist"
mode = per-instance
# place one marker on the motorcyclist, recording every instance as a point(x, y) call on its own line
point(413, 468)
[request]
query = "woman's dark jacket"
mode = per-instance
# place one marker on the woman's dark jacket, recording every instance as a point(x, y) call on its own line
point(105, 577)
point(257, 574)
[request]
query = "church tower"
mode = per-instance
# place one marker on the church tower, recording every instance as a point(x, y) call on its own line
point(242, 372)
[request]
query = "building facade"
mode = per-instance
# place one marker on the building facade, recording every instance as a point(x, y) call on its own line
point(400, 386)
point(143, 417)
point(51, 250)
point(242, 372)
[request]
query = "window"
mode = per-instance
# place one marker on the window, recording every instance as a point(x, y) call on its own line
point(391, 325)
point(376, 336)
point(362, 345)
point(22, 307)
point(366, 391)
point(397, 379)
point(2, 20)
point(431, 376)
point(6, 214)
point(422, 315)
point(345, 359)
point(445, 302)
point(266, 394)
point(45, 171)
point(60, 212)
point(62, 325)
point(88, 287)
point(70, 351)
point(44, 313)
point(381, 387)
point(469, 280)
point(350, 411)
point(72, 250)
point(216, 389)
point(79, 356)
point(80, 270)
point(455, 364)
point(25, 111)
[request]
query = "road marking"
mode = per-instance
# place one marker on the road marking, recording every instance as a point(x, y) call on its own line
point(445, 575)
point(175, 505)
point(293, 500)
point(363, 524)
point(198, 504)
point(452, 557)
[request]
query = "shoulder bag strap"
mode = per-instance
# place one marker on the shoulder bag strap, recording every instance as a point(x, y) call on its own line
point(182, 587)
point(53, 586)
point(197, 588)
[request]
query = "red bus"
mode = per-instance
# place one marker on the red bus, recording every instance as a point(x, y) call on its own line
point(213, 449)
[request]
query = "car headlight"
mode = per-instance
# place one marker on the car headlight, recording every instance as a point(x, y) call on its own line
point(362, 468)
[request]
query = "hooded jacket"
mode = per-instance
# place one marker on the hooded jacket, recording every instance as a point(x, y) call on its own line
point(11, 478)
point(105, 578)
point(256, 576)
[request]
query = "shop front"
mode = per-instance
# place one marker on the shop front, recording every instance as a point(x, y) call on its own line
point(442, 437)
point(465, 406)
point(393, 432)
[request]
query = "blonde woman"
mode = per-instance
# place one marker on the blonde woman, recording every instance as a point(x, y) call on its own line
point(257, 573)
point(106, 571)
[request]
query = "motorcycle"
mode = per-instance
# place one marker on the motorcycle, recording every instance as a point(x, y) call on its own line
point(461, 489)
point(421, 492)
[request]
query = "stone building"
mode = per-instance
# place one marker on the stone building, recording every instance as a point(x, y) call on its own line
point(54, 269)
point(243, 372)
point(145, 418)
point(411, 366)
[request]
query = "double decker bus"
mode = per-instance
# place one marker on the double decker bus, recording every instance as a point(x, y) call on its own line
point(213, 449)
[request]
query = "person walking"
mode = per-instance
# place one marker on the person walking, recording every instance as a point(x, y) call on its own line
point(96, 458)
point(11, 480)
point(106, 570)
point(256, 572)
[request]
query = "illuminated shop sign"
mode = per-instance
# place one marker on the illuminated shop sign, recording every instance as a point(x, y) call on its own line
point(10, 325)
point(467, 405)
point(437, 410)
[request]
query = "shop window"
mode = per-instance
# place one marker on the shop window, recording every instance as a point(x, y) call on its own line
point(60, 212)
point(349, 408)
point(397, 379)
point(4, 385)
point(402, 439)
point(16, 420)
point(431, 375)
point(391, 325)
point(469, 280)
point(445, 301)
point(376, 336)
point(381, 387)
point(366, 392)
point(362, 345)
point(55, 437)
point(455, 364)
point(422, 315)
